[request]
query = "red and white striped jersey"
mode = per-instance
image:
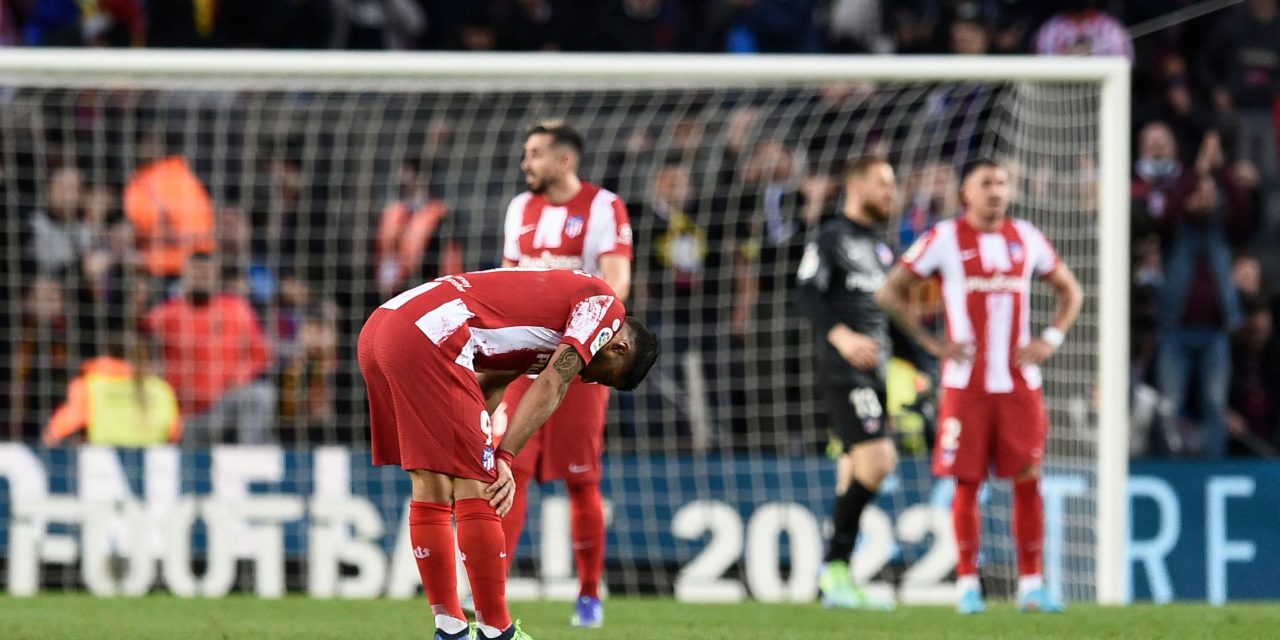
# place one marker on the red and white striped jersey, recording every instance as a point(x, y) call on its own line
point(569, 236)
point(512, 319)
point(986, 290)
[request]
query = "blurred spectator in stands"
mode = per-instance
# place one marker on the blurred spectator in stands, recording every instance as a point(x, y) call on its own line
point(632, 25)
point(828, 136)
point(181, 24)
point(1083, 28)
point(42, 357)
point(1206, 213)
point(378, 24)
point(675, 262)
point(533, 25)
point(970, 33)
point(478, 33)
point(774, 26)
point(57, 235)
point(286, 316)
point(1014, 23)
point(1253, 418)
point(857, 26)
point(307, 379)
point(774, 206)
point(1156, 172)
point(170, 209)
point(932, 194)
point(116, 402)
point(11, 16)
point(98, 23)
point(410, 248)
point(254, 24)
point(108, 256)
point(671, 245)
point(215, 356)
point(1174, 101)
point(1240, 64)
point(445, 20)
point(916, 27)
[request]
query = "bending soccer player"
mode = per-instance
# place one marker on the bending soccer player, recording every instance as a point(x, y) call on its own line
point(563, 222)
point(838, 277)
point(436, 360)
point(992, 414)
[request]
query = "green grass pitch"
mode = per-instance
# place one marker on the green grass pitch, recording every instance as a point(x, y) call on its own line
point(82, 616)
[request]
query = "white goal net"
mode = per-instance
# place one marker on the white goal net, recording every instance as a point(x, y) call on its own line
point(334, 181)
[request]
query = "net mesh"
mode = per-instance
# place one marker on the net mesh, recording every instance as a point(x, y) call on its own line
point(721, 449)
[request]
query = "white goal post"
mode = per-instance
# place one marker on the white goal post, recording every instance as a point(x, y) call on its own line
point(379, 72)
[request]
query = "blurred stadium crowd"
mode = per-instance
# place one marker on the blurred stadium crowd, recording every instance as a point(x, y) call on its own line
point(147, 244)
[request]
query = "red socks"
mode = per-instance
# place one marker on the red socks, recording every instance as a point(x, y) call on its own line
point(586, 507)
point(481, 541)
point(964, 517)
point(1028, 525)
point(513, 522)
point(431, 532)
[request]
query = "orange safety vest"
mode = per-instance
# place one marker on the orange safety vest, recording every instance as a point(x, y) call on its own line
point(172, 213)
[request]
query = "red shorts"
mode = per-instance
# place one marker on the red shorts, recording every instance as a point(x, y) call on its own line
point(569, 445)
point(426, 411)
point(978, 432)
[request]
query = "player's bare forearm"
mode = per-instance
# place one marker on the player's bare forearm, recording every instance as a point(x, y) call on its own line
point(1070, 297)
point(616, 271)
point(493, 384)
point(894, 298)
point(542, 398)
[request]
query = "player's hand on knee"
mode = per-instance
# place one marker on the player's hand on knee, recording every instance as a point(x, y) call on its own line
point(503, 491)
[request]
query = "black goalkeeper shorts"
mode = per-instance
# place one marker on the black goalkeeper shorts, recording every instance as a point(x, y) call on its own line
point(856, 414)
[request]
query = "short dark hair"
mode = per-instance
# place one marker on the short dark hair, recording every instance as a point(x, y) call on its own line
point(974, 165)
point(644, 353)
point(858, 166)
point(561, 134)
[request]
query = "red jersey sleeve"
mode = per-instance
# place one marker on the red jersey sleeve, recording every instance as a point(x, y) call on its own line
point(592, 324)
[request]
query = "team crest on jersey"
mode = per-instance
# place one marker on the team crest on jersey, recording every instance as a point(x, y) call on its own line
point(602, 338)
point(884, 253)
point(1015, 251)
point(573, 226)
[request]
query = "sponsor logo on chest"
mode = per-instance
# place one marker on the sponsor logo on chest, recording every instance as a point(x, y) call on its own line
point(999, 283)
